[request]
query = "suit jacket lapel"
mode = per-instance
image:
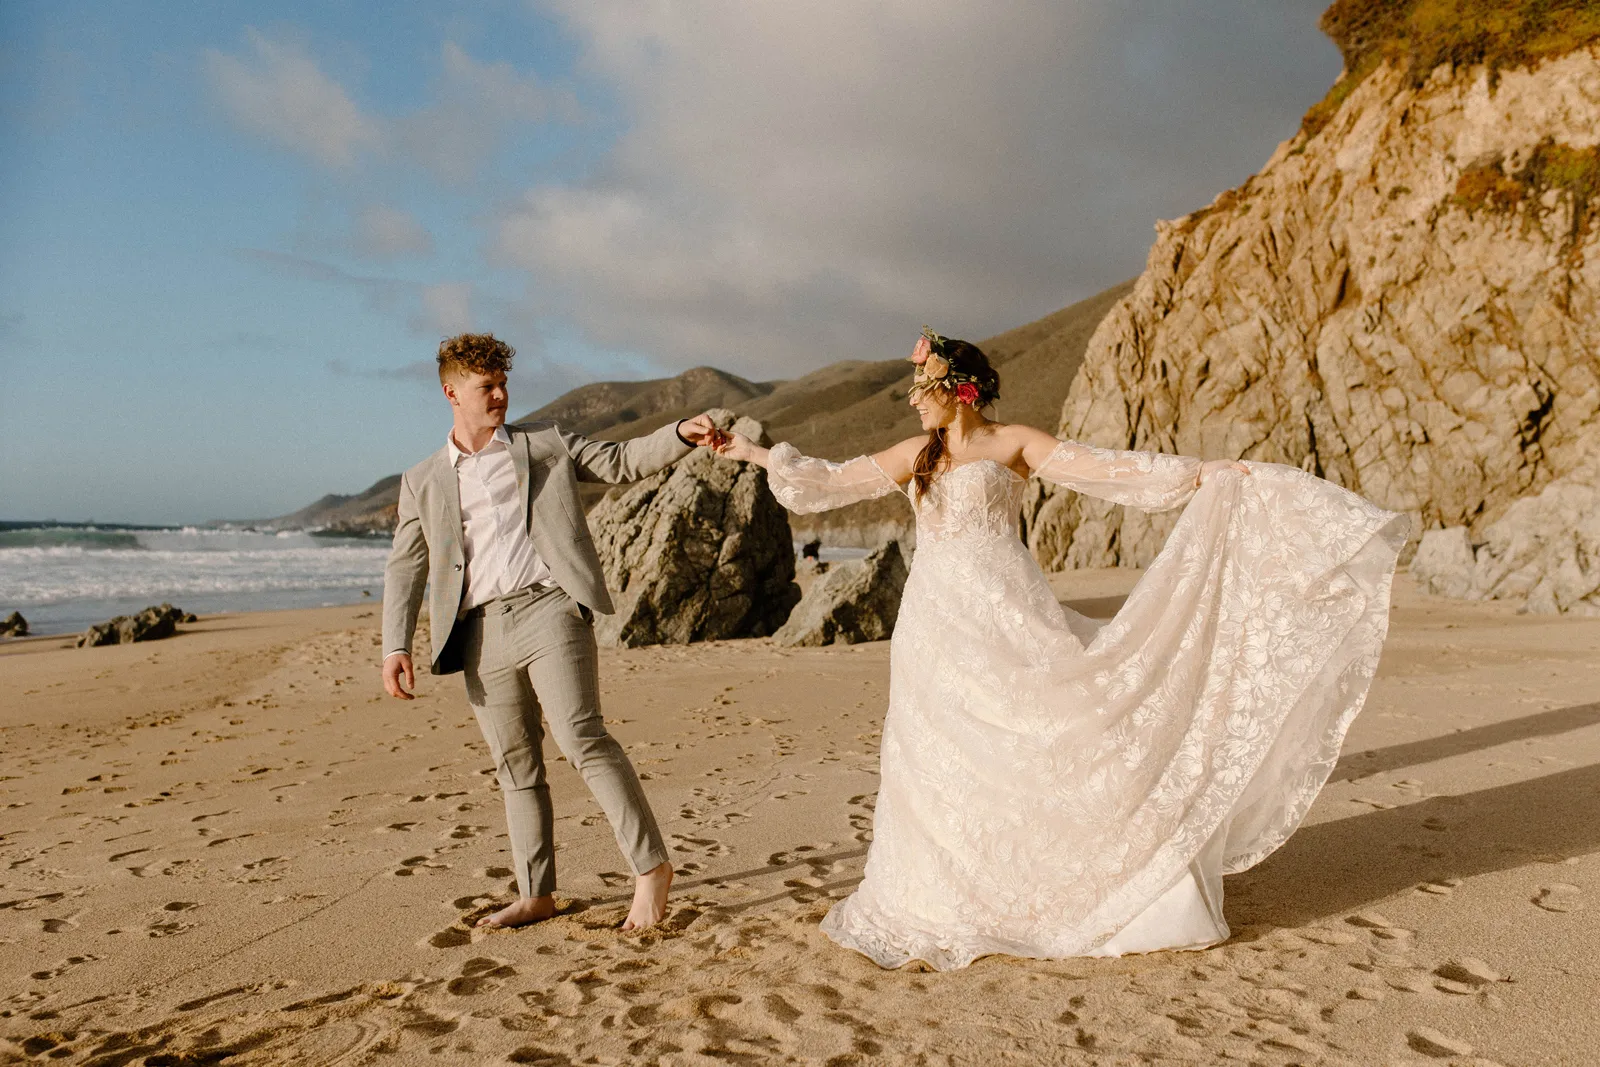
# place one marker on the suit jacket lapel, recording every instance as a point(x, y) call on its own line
point(449, 490)
point(519, 460)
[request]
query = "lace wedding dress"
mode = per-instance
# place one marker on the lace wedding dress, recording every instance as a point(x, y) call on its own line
point(1056, 786)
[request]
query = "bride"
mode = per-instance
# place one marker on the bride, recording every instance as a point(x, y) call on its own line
point(1057, 786)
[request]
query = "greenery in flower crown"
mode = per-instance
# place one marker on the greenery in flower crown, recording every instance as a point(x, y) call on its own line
point(935, 357)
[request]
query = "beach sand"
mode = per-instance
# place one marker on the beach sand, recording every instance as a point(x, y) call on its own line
point(229, 847)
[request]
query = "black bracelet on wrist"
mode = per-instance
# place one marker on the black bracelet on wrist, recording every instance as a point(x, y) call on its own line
point(678, 429)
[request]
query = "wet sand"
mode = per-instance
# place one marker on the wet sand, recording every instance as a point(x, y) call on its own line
point(230, 847)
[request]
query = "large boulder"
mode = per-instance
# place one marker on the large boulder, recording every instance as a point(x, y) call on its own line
point(854, 601)
point(14, 625)
point(1543, 553)
point(151, 624)
point(698, 552)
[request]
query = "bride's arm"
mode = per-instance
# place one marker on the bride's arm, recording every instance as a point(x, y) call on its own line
point(804, 484)
point(1154, 481)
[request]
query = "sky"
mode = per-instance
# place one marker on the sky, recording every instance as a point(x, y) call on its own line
point(232, 235)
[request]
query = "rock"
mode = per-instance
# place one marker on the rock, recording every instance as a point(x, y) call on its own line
point(1444, 561)
point(1427, 1040)
point(1468, 970)
point(1399, 301)
point(14, 625)
point(855, 601)
point(1544, 551)
point(151, 624)
point(698, 552)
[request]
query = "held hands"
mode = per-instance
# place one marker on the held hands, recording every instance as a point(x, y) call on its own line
point(396, 667)
point(737, 446)
point(1211, 466)
point(700, 430)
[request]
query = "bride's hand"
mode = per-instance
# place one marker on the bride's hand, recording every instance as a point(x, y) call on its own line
point(736, 446)
point(1211, 466)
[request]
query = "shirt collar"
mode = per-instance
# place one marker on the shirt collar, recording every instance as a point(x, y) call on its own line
point(500, 437)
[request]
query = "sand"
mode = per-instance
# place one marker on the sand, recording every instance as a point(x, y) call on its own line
point(228, 847)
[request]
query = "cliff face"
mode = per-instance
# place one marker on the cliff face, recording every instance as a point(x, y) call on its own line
point(1403, 301)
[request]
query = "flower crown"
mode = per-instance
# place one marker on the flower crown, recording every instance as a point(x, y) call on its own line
point(934, 371)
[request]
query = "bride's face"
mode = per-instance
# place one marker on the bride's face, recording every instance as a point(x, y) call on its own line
point(936, 407)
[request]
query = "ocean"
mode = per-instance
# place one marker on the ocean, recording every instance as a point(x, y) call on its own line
point(64, 578)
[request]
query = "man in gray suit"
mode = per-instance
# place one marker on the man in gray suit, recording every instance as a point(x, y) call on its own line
point(492, 526)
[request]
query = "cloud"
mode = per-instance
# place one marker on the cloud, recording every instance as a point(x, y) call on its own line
point(422, 370)
point(431, 310)
point(279, 93)
point(474, 106)
point(379, 293)
point(446, 309)
point(798, 183)
point(381, 232)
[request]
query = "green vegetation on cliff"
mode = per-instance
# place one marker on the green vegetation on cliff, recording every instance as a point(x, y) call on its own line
point(1419, 36)
point(1572, 173)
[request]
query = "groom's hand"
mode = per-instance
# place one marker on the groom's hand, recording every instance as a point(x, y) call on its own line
point(699, 430)
point(394, 668)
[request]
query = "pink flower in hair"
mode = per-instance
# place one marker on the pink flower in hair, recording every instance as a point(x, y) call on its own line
point(920, 354)
point(967, 393)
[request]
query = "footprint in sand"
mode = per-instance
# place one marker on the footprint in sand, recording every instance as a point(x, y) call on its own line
point(481, 974)
point(465, 831)
point(63, 967)
point(613, 879)
point(59, 926)
point(705, 846)
point(413, 864)
point(1559, 897)
point(449, 937)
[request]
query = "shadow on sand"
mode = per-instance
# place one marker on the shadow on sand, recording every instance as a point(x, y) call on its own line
point(1356, 765)
point(1339, 866)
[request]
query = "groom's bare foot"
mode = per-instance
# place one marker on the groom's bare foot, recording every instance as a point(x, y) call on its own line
point(649, 898)
point(525, 911)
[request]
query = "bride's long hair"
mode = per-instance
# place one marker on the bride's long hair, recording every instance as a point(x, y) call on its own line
point(968, 359)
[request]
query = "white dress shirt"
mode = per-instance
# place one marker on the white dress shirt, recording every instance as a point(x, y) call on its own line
point(500, 558)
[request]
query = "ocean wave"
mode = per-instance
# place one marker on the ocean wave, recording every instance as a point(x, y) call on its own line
point(170, 564)
point(80, 538)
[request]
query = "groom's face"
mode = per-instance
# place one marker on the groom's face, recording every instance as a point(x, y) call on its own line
point(480, 398)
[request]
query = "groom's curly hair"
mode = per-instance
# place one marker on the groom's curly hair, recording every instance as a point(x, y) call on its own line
point(474, 353)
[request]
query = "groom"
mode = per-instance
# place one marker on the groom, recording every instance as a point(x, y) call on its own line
point(493, 526)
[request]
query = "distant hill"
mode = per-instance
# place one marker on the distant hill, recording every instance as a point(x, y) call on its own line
point(842, 410)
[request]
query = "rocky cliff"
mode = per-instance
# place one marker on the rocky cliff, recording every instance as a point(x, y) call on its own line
point(1403, 300)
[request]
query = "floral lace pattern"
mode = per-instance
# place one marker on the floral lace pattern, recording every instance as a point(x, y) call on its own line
point(1046, 777)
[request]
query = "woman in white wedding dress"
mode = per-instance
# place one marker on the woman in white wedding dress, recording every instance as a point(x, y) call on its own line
point(1056, 786)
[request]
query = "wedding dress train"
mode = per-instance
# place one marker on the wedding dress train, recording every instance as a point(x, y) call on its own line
point(1055, 786)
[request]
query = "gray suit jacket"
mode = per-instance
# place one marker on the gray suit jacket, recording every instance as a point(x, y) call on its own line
point(550, 462)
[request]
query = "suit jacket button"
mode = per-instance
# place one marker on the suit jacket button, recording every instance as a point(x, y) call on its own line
point(458, 566)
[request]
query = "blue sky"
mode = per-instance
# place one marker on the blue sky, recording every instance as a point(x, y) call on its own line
point(229, 244)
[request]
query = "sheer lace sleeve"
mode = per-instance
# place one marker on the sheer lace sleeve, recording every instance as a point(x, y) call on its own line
point(1154, 481)
point(803, 484)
